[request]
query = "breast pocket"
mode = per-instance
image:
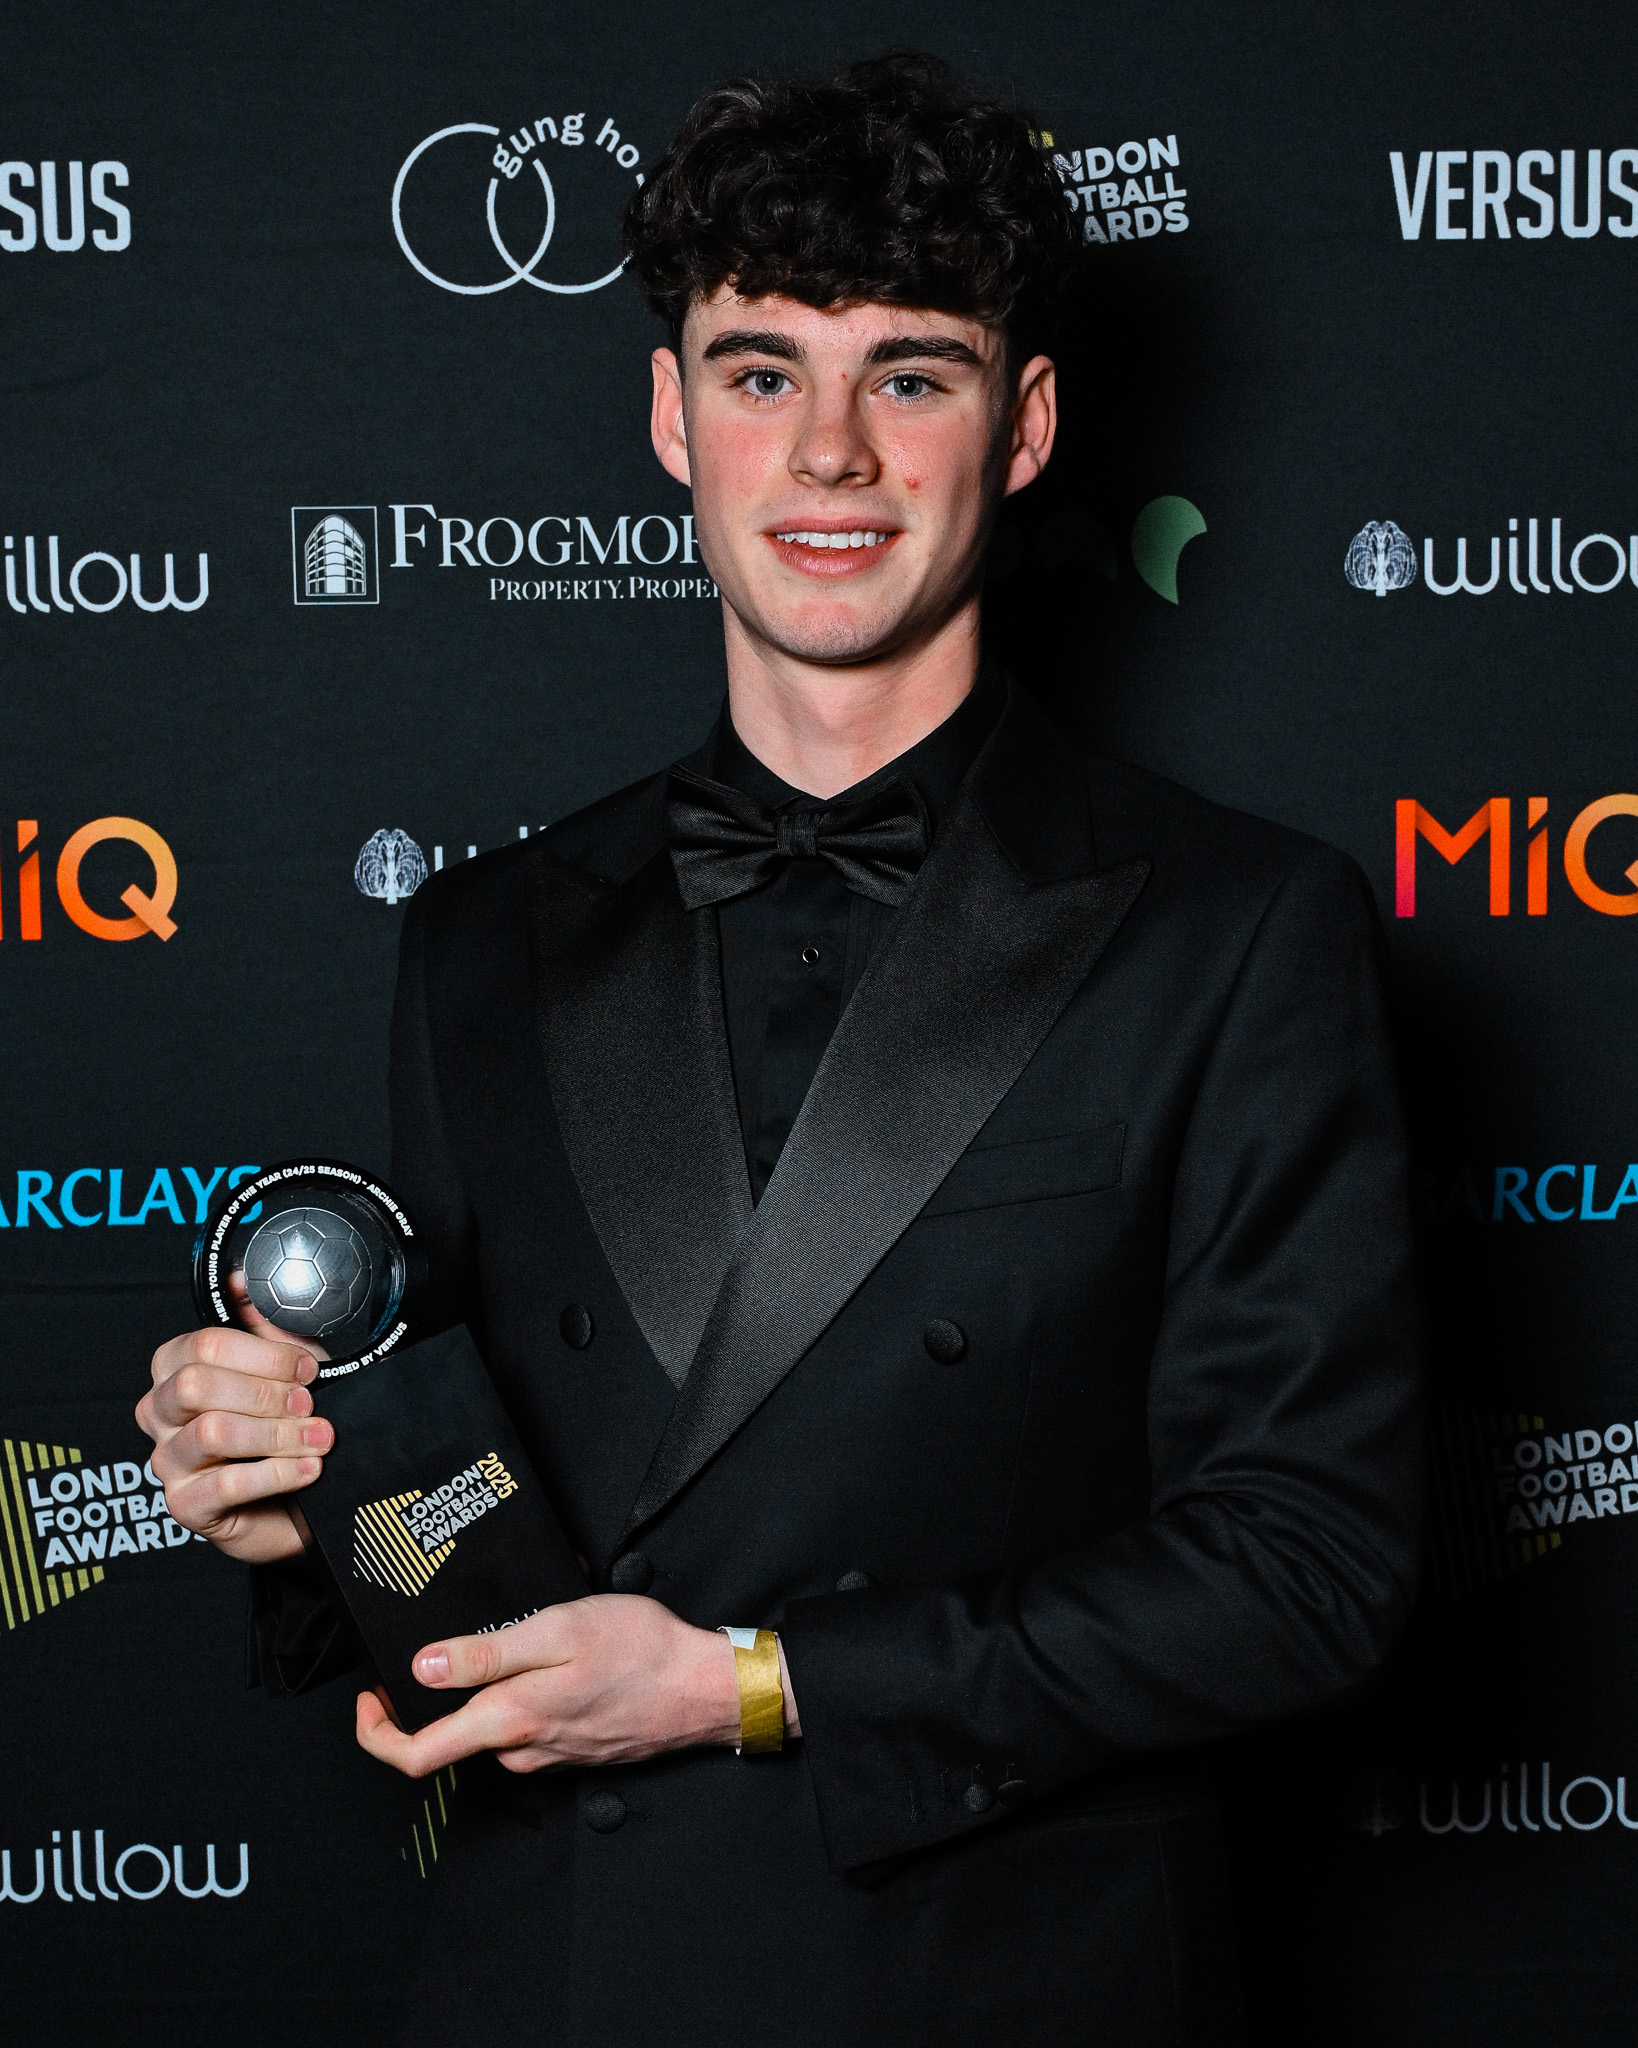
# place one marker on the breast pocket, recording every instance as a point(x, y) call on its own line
point(1031, 1170)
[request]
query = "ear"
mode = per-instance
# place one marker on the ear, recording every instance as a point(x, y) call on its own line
point(666, 423)
point(1034, 423)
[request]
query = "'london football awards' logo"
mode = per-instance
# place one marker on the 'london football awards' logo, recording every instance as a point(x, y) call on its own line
point(398, 1543)
point(63, 1520)
point(333, 554)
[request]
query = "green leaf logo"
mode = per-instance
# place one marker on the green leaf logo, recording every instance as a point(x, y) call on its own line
point(1160, 533)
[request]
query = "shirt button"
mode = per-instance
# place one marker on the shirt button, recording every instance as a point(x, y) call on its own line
point(810, 956)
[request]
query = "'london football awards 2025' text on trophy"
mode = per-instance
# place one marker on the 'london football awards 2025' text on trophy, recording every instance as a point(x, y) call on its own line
point(427, 1516)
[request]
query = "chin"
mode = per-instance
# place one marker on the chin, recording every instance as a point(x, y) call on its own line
point(835, 635)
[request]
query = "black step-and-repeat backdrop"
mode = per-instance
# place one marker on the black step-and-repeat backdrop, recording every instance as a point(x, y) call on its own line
point(334, 551)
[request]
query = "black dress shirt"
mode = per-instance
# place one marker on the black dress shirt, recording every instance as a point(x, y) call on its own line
point(793, 950)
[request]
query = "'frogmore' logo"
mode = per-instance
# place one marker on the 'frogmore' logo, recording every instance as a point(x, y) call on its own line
point(333, 554)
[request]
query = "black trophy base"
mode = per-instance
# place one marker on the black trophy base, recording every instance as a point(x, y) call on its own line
point(428, 1515)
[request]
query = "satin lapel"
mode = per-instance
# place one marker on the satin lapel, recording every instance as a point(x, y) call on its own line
point(629, 995)
point(949, 1012)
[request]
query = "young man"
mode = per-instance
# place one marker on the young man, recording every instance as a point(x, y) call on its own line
point(919, 1191)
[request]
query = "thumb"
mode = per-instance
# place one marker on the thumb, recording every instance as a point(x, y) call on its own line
point(251, 1318)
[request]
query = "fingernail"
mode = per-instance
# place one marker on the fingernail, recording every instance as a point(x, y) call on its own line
point(309, 1468)
point(432, 1667)
point(298, 1401)
point(318, 1433)
point(306, 1368)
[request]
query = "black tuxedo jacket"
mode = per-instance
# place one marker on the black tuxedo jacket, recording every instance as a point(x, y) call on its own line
point(1056, 1403)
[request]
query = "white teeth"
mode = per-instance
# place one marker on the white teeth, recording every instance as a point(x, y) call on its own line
point(855, 539)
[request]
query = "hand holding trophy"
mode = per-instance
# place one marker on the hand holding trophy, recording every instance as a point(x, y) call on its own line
point(427, 1516)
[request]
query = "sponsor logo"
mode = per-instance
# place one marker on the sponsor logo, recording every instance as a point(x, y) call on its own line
point(456, 158)
point(1415, 825)
point(140, 1872)
point(1565, 192)
point(1115, 191)
point(399, 1542)
point(1525, 1801)
point(1545, 1481)
point(333, 553)
point(1563, 1193)
point(62, 1521)
point(87, 1196)
point(1160, 533)
point(390, 866)
point(1528, 1804)
point(334, 557)
point(88, 584)
point(1076, 538)
point(149, 910)
point(1382, 557)
point(1508, 1491)
point(46, 227)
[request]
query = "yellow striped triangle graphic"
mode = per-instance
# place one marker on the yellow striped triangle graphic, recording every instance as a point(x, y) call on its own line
point(385, 1553)
point(26, 1591)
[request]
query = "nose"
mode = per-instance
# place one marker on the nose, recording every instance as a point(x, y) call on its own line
point(831, 445)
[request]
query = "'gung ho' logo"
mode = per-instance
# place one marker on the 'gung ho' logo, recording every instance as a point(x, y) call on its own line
point(579, 232)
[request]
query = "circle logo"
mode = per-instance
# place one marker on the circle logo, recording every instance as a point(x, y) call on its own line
point(511, 157)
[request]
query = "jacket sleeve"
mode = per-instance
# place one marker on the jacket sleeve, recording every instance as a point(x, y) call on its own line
point(1277, 1560)
point(298, 1635)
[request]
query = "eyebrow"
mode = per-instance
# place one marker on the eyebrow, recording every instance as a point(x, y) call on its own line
point(752, 341)
point(895, 348)
point(907, 348)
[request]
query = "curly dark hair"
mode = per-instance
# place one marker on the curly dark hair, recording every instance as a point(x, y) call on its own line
point(888, 181)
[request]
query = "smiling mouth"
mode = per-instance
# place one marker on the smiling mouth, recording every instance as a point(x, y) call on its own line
point(853, 537)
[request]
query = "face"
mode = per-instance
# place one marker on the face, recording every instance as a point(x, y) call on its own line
point(846, 465)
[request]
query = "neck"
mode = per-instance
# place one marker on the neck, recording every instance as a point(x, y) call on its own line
point(821, 729)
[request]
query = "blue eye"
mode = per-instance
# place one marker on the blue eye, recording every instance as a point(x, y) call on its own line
point(766, 383)
point(909, 384)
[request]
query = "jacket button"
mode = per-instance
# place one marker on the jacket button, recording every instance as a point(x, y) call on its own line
point(978, 1798)
point(1015, 1792)
point(633, 1573)
point(576, 1326)
point(603, 1811)
point(852, 1582)
point(945, 1341)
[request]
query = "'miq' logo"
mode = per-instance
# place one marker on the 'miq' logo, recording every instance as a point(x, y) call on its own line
point(149, 910)
point(1414, 823)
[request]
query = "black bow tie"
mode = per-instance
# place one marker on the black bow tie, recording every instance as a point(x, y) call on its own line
point(724, 843)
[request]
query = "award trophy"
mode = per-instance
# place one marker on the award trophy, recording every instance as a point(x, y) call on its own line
point(427, 1516)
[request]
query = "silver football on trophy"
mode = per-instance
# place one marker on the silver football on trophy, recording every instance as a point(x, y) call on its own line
point(318, 1249)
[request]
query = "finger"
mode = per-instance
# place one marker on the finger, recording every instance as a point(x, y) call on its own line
point(198, 1389)
point(239, 1351)
point(202, 1501)
point(253, 1320)
point(463, 1661)
point(481, 1724)
point(219, 1437)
